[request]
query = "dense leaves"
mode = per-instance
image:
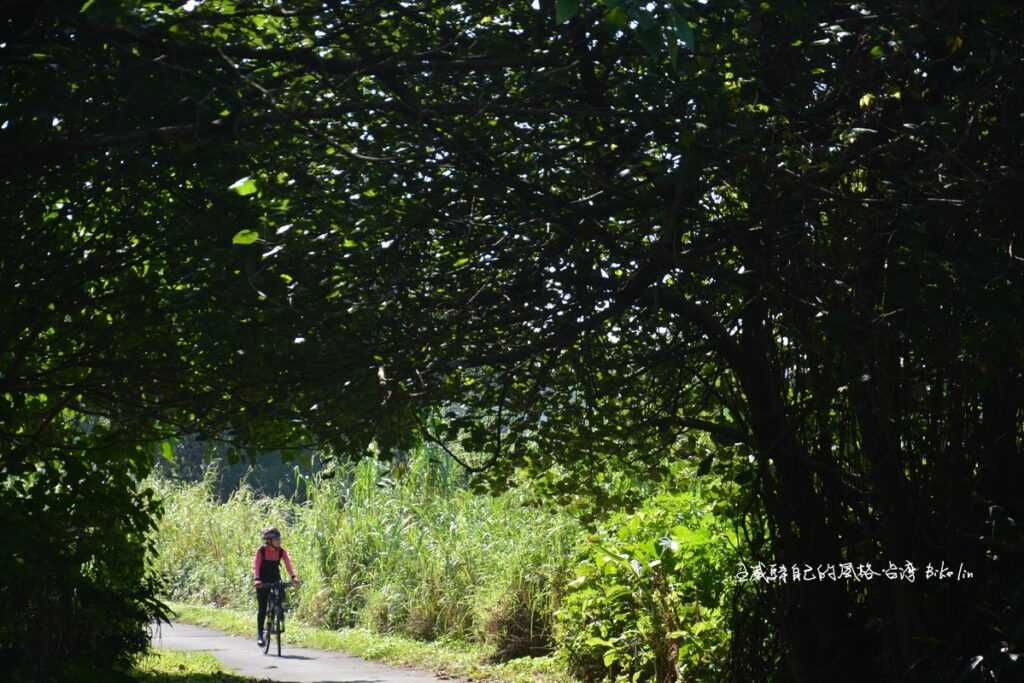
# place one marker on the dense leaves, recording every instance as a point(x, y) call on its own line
point(588, 231)
point(77, 586)
point(650, 600)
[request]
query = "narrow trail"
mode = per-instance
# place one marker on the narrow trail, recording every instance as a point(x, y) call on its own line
point(296, 664)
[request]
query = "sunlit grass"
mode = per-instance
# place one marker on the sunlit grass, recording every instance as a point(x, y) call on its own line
point(168, 666)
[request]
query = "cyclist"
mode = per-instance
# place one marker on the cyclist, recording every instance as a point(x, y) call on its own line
point(266, 567)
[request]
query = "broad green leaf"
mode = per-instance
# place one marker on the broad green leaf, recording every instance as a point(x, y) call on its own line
point(245, 237)
point(687, 536)
point(86, 6)
point(702, 626)
point(565, 10)
point(617, 17)
point(167, 451)
point(615, 592)
point(243, 186)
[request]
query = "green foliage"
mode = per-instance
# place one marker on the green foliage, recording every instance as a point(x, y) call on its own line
point(652, 595)
point(78, 531)
point(566, 10)
point(590, 239)
point(404, 549)
point(243, 187)
point(166, 666)
point(244, 237)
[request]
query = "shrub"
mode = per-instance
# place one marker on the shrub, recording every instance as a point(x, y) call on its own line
point(651, 595)
point(77, 593)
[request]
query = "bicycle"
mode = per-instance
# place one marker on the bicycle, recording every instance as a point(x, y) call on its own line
point(274, 625)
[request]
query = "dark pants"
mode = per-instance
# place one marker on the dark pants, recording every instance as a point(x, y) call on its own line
point(262, 596)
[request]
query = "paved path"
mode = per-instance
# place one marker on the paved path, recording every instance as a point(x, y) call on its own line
point(297, 664)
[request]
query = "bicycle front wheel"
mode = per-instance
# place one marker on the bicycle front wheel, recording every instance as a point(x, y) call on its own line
point(279, 627)
point(268, 629)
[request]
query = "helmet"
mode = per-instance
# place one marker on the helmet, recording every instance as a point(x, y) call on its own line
point(271, 532)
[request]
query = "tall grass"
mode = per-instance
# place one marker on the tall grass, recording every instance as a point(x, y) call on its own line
point(405, 549)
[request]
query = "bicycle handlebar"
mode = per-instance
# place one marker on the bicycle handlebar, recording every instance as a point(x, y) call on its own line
point(283, 584)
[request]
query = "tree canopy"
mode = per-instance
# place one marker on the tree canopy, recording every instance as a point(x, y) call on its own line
point(570, 236)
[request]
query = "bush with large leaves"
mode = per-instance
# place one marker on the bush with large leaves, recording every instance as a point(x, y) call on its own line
point(652, 596)
point(78, 591)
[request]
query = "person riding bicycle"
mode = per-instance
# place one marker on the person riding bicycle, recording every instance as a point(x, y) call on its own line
point(266, 568)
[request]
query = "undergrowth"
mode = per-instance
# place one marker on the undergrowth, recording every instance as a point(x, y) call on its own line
point(405, 550)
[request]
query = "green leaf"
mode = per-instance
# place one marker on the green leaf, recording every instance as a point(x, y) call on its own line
point(565, 10)
point(86, 6)
point(609, 657)
point(167, 451)
point(243, 186)
point(245, 237)
point(689, 536)
point(616, 592)
point(617, 17)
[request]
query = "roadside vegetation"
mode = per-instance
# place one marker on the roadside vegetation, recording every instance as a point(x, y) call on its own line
point(406, 550)
point(405, 564)
point(167, 666)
